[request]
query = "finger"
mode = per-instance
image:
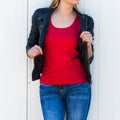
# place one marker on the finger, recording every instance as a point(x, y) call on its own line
point(35, 50)
point(39, 48)
point(88, 39)
point(83, 33)
point(86, 36)
point(31, 54)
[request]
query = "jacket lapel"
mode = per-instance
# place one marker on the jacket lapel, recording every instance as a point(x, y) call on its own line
point(45, 23)
point(46, 18)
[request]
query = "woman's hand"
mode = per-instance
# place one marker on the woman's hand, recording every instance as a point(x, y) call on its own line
point(34, 51)
point(87, 37)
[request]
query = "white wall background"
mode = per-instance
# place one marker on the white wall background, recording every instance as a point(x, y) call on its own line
point(19, 96)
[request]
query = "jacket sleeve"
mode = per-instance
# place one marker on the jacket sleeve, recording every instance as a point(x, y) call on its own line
point(33, 37)
point(90, 28)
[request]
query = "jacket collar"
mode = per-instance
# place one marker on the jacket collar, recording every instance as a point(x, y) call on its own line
point(46, 18)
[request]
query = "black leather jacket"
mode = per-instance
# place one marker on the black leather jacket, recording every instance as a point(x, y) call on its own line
point(40, 21)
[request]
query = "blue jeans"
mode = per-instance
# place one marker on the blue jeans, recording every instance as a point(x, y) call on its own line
point(72, 100)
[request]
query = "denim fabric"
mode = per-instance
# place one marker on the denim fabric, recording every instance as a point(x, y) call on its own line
point(72, 100)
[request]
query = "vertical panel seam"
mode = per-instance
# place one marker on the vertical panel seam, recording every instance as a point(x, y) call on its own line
point(98, 61)
point(27, 63)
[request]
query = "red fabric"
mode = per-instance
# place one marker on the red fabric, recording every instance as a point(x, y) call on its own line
point(61, 63)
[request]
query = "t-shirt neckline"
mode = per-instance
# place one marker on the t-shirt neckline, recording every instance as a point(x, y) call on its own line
point(64, 27)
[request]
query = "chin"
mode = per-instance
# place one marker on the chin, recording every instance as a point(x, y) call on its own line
point(74, 2)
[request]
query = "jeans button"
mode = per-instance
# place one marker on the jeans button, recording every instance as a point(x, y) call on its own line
point(61, 89)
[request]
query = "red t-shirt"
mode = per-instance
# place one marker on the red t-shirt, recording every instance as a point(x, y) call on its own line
point(61, 63)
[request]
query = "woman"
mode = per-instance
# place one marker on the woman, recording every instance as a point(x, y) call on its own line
point(60, 42)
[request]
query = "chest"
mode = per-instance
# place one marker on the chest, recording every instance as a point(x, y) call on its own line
point(63, 37)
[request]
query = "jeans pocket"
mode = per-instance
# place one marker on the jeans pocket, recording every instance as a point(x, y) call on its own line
point(46, 88)
point(85, 87)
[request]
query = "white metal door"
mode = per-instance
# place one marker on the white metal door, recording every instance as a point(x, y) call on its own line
point(13, 65)
point(19, 96)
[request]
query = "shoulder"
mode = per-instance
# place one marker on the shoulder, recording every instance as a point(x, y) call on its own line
point(87, 20)
point(86, 17)
point(42, 11)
